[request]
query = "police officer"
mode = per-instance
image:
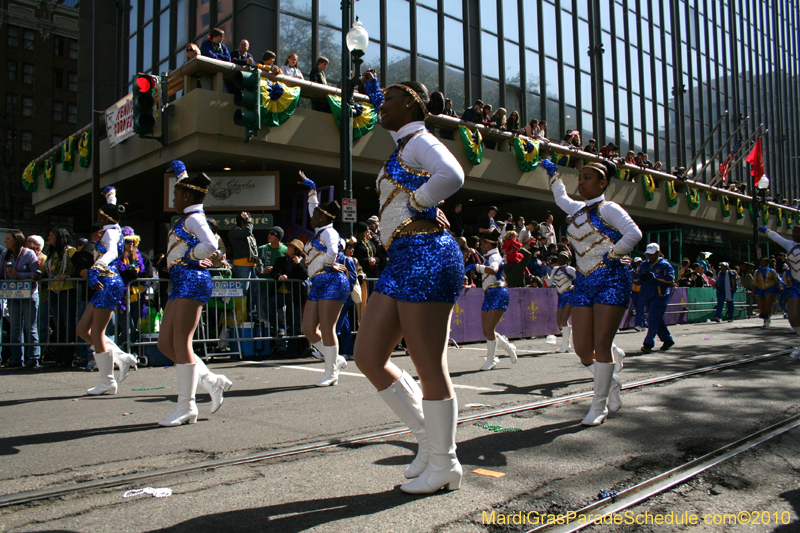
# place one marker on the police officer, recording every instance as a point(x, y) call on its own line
point(657, 277)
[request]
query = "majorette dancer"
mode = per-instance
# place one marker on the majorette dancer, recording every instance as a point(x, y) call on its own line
point(563, 277)
point(793, 260)
point(495, 299)
point(601, 233)
point(416, 292)
point(191, 245)
point(330, 286)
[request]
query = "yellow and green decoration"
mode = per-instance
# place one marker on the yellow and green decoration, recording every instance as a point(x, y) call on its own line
point(780, 217)
point(278, 102)
point(49, 171)
point(789, 219)
point(364, 116)
point(624, 174)
point(693, 195)
point(527, 153)
point(67, 159)
point(473, 144)
point(725, 204)
point(29, 179)
point(648, 186)
point(561, 159)
point(672, 196)
point(739, 209)
point(85, 148)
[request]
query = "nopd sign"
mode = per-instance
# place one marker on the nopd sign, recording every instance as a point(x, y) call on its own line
point(227, 289)
point(16, 290)
point(239, 191)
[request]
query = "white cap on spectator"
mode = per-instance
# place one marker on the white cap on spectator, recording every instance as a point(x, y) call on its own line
point(652, 248)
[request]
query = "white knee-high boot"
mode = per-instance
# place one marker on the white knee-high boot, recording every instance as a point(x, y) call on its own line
point(318, 347)
point(105, 365)
point(124, 361)
point(566, 340)
point(405, 398)
point(603, 378)
point(614, 400)
point(507, 347)
point(491, 360)
point(443, 470)
point(186, 411)
point(215, 384)
point(618, 354)
point(333, 363)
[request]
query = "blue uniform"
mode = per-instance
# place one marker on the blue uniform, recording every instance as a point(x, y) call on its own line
point(494, 286)
point(639, 305)
point(106, 269)
point(326, 283)
point(656, 288)
point(187, 277)
point(761, 278)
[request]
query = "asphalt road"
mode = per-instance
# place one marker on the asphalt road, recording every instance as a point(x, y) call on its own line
point(50, 434)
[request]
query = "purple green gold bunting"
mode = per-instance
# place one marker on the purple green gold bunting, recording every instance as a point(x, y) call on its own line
point(527, 152)
point(364, 116)
point(278, 102)
point(473, 144)
point(29, 178)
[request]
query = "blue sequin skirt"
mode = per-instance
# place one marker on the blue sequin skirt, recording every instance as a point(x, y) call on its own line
point(329, 286)
point(565, 298)
point(112, 293)
point(610, 285)
point(794, 290)
point(496, 298)
point(191, 283)
point(423, 268)
point(760, 293)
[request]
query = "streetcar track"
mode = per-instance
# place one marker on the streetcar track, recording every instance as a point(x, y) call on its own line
point(667, 480)
point(115, 481)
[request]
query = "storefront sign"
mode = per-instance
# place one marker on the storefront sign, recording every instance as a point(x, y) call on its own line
point(238, 191)
point(705, 236)
point(228, 221)
point(16, 290)
point(119, 121)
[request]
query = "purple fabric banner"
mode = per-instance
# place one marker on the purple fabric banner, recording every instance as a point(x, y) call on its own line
point(531, 313)
point(676, 310)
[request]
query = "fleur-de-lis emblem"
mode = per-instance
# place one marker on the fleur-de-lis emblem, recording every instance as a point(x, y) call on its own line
point(458, 312)
point(533, 308)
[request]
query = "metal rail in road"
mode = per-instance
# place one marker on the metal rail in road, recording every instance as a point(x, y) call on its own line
point(116, 481)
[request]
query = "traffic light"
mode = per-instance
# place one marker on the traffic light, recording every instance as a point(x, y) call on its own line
point(248, 96)
point(144, 101)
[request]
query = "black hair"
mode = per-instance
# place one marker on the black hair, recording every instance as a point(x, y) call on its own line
point(239, 220)
point(95, 228)
point(216, 32)
point(332, 208)
point(212, 223)
point(268, 54)
point(201, 181)
point(63, 239)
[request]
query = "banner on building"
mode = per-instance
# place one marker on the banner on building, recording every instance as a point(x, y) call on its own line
point(119, 120)
point(238, 191)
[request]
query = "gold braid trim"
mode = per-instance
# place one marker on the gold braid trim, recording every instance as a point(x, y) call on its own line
point(326, 213)
point(413, 94)
point(494, 285)
point(193, 187)
point(598, 167)
point(402, 232)
point(107, 217)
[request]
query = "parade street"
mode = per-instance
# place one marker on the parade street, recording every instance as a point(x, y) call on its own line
point(53, 435)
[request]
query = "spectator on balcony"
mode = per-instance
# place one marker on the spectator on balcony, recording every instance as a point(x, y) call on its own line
point(543, 129)
point(474, 114)
point(497, 121)
point(643, 161)
point(486, 116)
point(445, 133)
point(213, 47)
point(608, 150)
point(22, 263)
point(192, 51)
point(242, 56)
point(532, 129)
point(317, 75)
point(289, 68)
point(513, 123)
point(591, 147)
point(268, 62)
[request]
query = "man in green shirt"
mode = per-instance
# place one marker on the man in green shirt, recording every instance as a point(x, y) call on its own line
point(268, 254)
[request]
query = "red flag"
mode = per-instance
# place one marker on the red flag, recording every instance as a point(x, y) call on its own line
point(756, 158)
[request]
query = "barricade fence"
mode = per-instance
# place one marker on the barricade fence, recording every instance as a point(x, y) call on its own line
point(254, 317)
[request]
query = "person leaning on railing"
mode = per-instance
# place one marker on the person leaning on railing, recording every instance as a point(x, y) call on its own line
point(62, 294)
point(22, 263)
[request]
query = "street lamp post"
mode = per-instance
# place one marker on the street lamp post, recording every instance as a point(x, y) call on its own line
point(356, 42)
point(759, 193)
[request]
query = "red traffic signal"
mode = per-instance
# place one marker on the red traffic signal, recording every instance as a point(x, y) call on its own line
point(145, 83)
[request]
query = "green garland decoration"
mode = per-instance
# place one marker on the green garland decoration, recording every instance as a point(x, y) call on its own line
point(780, 217)
point(29, 178)
point(472, 141)
point(527, 152)
point(725, 203)
point(85, 148)
point(648, 186)
point(765, 214)
point(67, 159)
point(624, 174)
point(739, 209)
point(364, 116)
point(789, 219)
point(49, 171)
point(672, 196)
point(693, 195)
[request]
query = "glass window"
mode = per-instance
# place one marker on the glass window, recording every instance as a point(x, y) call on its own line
point(133, 13)
point(73, 49)
point(398, 65)
point(570, 119)
point(27, 106)
point(303, 7)
point(27, 39)
point(605, 15)
point(163, 67)
point(646, 30)
point(651, 144)
point(11, 104)
point(513, 100)
point(551, 78)
point(148, 11)
point(12, 38)
point(27, 141)
point(534, 108)
point(633, 34)
point(510, 20)
point(372, 58)
point(489, 15)
point(490, 93)
point(58, 78)
point(227, 27)
point(489, 55)
point(608, 95)
point(636, 111)
point(72, 82)
point(567, 41)
point(583, 46)
point(369, 13)
point(331, 13)
point(583, 11)
point(9, 139)
point(203, 17)
point(455, 9)
point(397, 31)
point(554, 130)
point(182, 28)
point(622, 77)
point(330, 46)
point(512, 64)
point(296, 39)
point(608, 63)
point(58, 45)
point(147, 47)
point(633, 68)
point(454, 88)
point(11, 70)
point(72, 113)
point(648, 87)
point(58, 111)
point(532, 67)
point(569, 86)
point(531, 15)
point(163, 36)
point(586, 91)
point(224, 9)
point(427, 33)
point(132, 57)
point(428, 73)
point(27, 73)
point(453, 42)
point(549, 21)
point(659, 81)
point(588, 128)
point(623, 117)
